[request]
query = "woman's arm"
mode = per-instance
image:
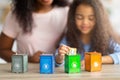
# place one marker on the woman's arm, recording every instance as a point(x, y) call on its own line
point(35, 58)
point(6, 52)
point(6, 44)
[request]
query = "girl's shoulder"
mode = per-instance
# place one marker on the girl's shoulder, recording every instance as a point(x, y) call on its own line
point(63, 41)
point(113, 42)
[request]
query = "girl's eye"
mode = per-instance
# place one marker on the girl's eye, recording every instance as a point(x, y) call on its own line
point(91, 18)
point(79, 17)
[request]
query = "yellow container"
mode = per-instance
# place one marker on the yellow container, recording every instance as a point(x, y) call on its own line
point(93, 61)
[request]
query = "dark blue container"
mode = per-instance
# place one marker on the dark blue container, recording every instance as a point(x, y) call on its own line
point(47, 64)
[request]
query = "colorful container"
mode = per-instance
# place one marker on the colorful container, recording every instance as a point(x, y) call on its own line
point(72, 64)
point(93, 61)
point(19, 63)
point(47, 64)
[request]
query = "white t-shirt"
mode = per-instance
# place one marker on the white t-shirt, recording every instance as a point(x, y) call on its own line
point(46, 32)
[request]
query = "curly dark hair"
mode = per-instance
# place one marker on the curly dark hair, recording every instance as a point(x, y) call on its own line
point(22, 9)
point(102, 33)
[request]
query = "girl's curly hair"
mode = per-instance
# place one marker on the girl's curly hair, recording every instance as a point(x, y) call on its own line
point(103, 36)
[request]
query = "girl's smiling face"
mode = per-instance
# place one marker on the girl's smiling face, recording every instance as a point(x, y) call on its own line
point(85, 18)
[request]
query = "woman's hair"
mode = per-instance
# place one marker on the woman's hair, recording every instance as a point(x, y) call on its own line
point(103, 37)
point(23, 9)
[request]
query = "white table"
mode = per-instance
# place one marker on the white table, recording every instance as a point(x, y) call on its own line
point(109, 72)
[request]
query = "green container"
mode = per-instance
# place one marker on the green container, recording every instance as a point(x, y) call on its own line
point(72, 63)
point(19, 63)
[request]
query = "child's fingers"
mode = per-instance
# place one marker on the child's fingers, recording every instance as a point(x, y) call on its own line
point(63, 49)
point(82, 64)
point(66, 48)
point(62, 52)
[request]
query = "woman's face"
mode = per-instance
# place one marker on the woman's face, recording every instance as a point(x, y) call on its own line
point(85, 18)
point(45, 2)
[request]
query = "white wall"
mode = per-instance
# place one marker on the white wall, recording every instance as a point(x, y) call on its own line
point(114, 7)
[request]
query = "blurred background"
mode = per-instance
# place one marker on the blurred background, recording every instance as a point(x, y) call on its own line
point(112, 6)
point(4, 8)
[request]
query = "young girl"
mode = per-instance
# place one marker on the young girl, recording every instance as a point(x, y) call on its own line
point(89, 30)
point(36, 25)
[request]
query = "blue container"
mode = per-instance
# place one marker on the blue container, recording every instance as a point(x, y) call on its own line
point(47, 64)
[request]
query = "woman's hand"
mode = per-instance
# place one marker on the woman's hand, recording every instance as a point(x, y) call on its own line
point(36, 57)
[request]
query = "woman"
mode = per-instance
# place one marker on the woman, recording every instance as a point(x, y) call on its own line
point(36, 25)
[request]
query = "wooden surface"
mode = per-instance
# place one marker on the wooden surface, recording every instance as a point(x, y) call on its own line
point(109, 72)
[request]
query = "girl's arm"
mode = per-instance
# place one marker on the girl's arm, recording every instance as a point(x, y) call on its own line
point(115, 56)
point(59, 58)
point(107, 60)
point(62, 50)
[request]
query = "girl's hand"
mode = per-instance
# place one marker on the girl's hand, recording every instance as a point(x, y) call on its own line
point(63, 49)
point(36, 57)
